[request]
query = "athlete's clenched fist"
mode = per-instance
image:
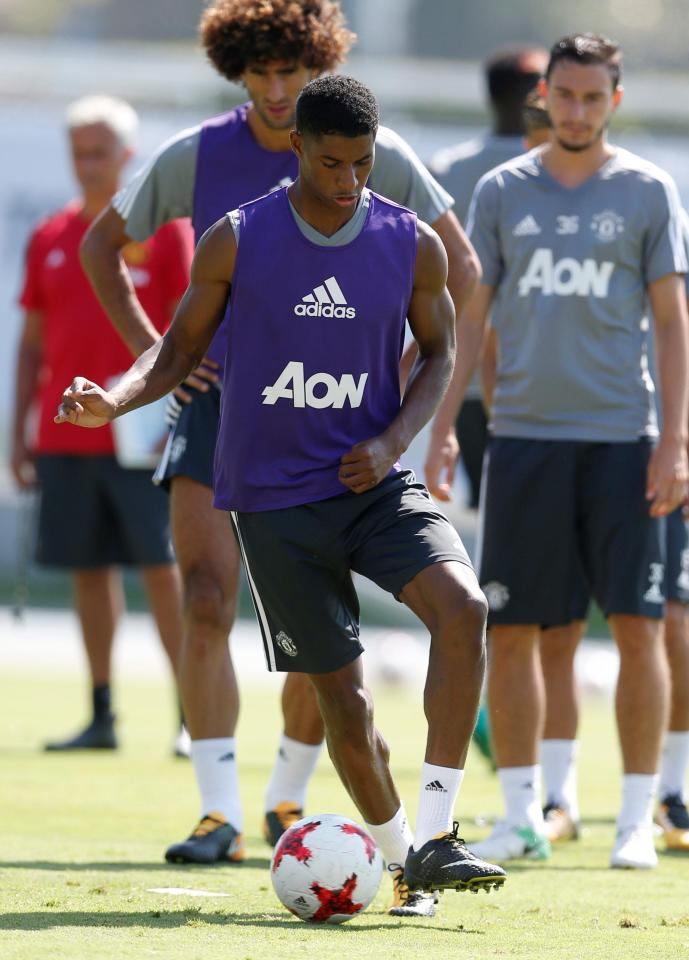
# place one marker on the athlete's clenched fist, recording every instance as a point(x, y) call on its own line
point(86, 404)
point(367, 463)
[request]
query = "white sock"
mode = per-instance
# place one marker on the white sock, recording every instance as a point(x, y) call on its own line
point(638, 794)
point(673, 770)
point(294, 764)
point(559, 765)
point(437, 796)
point(394, 837)
point(521, 787)
point(215, 767)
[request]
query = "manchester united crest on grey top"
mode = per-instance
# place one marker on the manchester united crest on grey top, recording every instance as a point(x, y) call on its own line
point(607, 225)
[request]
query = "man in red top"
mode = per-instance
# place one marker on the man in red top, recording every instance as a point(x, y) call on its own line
point(114, 515)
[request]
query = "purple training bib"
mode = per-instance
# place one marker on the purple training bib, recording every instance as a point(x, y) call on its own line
point(232, 169)
point(313, 350)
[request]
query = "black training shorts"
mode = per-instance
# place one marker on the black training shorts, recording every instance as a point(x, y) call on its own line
point(94, 513)
point(676, 540)
point(190, 447)
point(299, 561)
point(677, 558)
point(560, 517)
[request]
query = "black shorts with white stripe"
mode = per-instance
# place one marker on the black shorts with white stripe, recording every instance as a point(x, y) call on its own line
point(299, 562)
point(190, 447)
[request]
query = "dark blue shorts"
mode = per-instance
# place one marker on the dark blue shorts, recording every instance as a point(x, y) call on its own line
point(676, 586)
point(299, 562)
point(94, 513)
point(677, 558)
point(562, 520)
point(190, 448)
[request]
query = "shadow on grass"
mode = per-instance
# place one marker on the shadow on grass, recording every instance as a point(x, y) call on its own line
point(122, 866)
point(168, 919)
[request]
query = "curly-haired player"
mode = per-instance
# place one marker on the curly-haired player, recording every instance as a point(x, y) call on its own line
point(274, 48)
point(235, 34)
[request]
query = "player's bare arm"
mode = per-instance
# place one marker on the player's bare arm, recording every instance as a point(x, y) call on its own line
point(667, 470)
point(101, 258)
point(463, 267)
point(489, 367)
point(431, 319)
point(442, 449)
point(29, 358)
point(170, 359)
point(463, 275)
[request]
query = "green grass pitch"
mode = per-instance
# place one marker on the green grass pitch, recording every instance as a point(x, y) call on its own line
point(82, 839)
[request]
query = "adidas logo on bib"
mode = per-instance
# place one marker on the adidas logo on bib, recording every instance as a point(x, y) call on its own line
point(327, 300)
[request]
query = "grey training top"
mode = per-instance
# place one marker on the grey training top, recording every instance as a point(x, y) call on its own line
point(164, 188)
point(571, 268)
point(458, 169)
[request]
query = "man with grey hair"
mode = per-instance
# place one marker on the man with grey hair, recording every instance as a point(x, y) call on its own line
point(117, 115)
point(115, 516)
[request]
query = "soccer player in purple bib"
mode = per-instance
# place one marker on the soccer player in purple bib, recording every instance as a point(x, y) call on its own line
point(307, 455)
point(273, 49)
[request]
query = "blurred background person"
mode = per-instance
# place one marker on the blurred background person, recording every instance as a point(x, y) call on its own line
point(94, 515)
point(536, 132)
point(511, 74)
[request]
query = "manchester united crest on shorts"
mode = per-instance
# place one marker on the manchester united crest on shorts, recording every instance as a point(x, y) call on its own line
point(497, 595)
point(286, 644)
point(179, 445)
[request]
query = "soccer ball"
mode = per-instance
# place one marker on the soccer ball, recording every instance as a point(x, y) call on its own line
point(326, 869)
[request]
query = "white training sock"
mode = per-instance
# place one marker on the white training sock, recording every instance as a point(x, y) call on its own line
point(673, 769)
point(215, 767)
point(294, 764)
point(394, 837)
point(638, 794)
point(521, 787)
point(437, 796)
point(559, 765)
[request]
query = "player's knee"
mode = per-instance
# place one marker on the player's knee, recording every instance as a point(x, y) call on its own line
point(464, 620)
point(207, 606)
point(348, 712)
point(639, 640)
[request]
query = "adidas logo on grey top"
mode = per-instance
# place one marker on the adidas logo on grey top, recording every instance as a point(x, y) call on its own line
point(326, 300)
point(527, 227)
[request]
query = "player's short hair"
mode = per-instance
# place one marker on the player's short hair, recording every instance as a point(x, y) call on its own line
point(337, 104)
point(115, 114)
point(510, 75)
point(535, 114)
point(586, 48)
point(236, 33)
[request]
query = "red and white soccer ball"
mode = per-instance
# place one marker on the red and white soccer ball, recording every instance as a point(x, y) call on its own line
point(326, 869)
